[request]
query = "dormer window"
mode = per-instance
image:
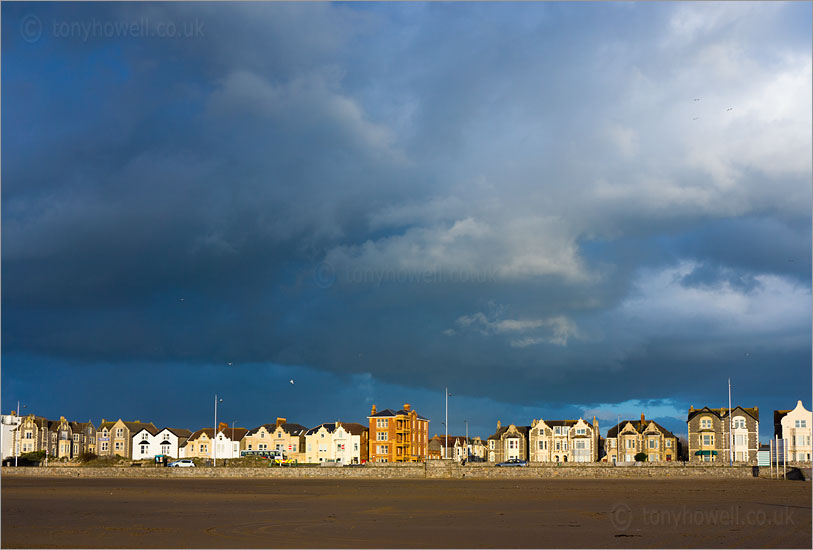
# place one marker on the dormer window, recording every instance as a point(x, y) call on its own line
point(705, 423)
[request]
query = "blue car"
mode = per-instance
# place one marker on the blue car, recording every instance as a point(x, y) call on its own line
point(512, 462)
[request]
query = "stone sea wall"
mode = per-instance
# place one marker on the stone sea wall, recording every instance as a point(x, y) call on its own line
point(435, 469)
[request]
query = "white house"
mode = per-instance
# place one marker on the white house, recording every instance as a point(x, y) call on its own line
point(147, 443)
point(794, 426)
point(227, 444)
point(8, 423)
point(336, 442)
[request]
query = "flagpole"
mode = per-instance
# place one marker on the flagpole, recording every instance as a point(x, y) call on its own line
point(730, 429)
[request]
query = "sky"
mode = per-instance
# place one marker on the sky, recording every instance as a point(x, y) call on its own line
point(554, 210)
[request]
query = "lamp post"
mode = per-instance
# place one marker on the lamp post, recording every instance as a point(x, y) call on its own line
point(467, 439)
point(214, 435)
point(17, 441)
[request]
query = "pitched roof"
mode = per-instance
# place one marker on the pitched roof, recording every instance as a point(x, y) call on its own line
point(180, 432)
point(235, 434)
point(198, 433)
point(384, 412)
point(138, 426)
point(722, 412)
point(521, 429)
point(268, 427)
point(390, 412)
point(330, 427)
point(293, 429)
point(355, 428)
point(639, 427)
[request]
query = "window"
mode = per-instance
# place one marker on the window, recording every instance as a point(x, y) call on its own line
point(322, 435)
point(76, 437)
point(491, 444)
point(104, 445)
point(203, 448)
point(541, 431)
point(29, 435)
point(705, 423)
point(739, 440)
point(668, 442)
point(543, 445)
point(293, 449)
point(145, 448)
point(262, 434)
point(382, 422)
point(801, 424)
point(557, 430)
point(119, 432)
point(580, 431)
point(630, 444)
point(739, 422)
point(310, 447)
point(355, 446)
point(579, 445)
point(558, 445)
point(513, 444)
point(118, 445)
point(381, 436)
point(653, 443)
point(708, 439)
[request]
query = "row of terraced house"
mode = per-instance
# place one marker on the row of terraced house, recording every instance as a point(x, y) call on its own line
point(714, 434)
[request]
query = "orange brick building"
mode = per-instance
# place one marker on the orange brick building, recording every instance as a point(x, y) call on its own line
point(398, 436)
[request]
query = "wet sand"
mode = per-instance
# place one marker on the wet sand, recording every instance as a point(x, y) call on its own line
point(320, 513)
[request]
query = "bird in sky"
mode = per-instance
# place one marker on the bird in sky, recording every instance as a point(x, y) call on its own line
point(292, 380)
point(696, 118)
point(730, 109)
point(697, 99)
point(229, 363)
point(181, 299)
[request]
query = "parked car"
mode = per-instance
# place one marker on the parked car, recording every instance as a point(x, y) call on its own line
point(182, 463)
point(512, 462)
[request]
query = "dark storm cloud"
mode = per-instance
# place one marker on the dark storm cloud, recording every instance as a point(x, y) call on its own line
point(417, 194)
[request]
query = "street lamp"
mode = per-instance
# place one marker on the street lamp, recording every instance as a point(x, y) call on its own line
point(17, 431)
point(214, 434)
point(466, 422)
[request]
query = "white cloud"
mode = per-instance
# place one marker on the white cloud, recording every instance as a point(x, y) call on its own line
point(521, 332)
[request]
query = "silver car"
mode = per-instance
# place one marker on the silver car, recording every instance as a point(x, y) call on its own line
point(182, 463)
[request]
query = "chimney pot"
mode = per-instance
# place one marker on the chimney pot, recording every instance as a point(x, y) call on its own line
point(642, 418)
point(406, 406)
point(372, 412)
point(499, 424)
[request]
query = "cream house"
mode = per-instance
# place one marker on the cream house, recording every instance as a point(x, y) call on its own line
point(563, 441)
point(794, 426)
point(631, 437)
point(290, 439)
point(345, 443)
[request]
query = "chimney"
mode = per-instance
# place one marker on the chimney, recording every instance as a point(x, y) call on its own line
point(280, 421)
point(103, 420)
point(372, 412)
point(406, 407)
point(499, 424)
point(642, 418)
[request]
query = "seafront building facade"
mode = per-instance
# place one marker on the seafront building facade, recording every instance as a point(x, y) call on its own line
point(398, 436)
point(712, 432)
point(563, 441)
point(794, 427)
point(631, 437)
